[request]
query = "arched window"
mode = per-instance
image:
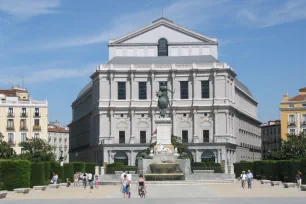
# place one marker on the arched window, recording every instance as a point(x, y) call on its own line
point(208, 156)
point(162, 47)
point(121, 157)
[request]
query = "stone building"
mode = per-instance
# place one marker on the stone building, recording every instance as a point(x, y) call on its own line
point(211, 110)
point(271, 137)
point(58, 136)
point(21, 117)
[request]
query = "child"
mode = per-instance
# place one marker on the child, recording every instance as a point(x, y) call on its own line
point(68, 182)
point(96, 181)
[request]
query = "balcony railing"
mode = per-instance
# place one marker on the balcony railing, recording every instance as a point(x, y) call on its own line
point(11, 143)
point(291, 123)
point(10, 114)
point(23, 114)
point(37, 127)
point(36, 115)
point(10, 128)
point(23, 128)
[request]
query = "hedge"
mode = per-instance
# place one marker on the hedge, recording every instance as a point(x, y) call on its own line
point(79, 167)
point(16, 173)
point(68, 171)
point(37, 174)
point(47, 169)
point(90, 168)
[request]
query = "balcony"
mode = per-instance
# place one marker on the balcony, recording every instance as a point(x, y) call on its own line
point(291, 123)
point(11, 143)
point(23, 128)
point(23, 115)
point(10, 115)
point(37, 128)
point(36, 115)
point(10, 128)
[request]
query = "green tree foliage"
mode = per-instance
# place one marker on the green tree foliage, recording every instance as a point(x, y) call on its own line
point(293, 148)
point(5, 150)
point(37, 150)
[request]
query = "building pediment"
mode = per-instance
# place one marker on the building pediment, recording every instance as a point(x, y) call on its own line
point(163, 28)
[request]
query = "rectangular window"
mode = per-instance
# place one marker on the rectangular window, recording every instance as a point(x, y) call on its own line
point(142, 87)
point(121, 91)
point(184, 89)
point(291, 105)
point(185, 136)
point(304, 105)
point(292, 131)
point(23, 137)
point(36, 135)
point(291, 119)
point(143, 138)
point(10, 123)
point(304, 119)
point(36, 122)
point(205, 89)
point(10, 112)
point(121, 137)
point(23, 110)
point(36, 112)
point(10, 137)
point(205, 135)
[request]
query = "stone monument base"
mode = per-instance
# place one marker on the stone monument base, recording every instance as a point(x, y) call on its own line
point(169, 146)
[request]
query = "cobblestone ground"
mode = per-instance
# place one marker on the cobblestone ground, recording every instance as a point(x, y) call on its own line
point(193, 194)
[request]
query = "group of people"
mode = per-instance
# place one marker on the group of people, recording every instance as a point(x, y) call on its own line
point(126, 184)
point(86, 178)
point(249, 177)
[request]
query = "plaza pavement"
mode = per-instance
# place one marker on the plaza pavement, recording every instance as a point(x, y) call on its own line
point(193, 194)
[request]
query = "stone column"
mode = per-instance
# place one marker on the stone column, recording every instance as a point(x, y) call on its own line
point(195, 128)
point(227, 129)
point(132, 138)
point(196, 159)
point(132, 87)
point(111, 77)
point(174, 123)
point(97, 170)
point(112, 132)
point(226, 170)
point(102, 170)
point(232, 161)
point(153, 127)
point(173, 87)
point(219, 155)
point(194, 86)
point(153, 89)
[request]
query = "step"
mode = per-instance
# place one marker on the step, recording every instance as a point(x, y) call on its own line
point(3, 194)
point(54, 185)
point(303, 187)
point(265, 181)
point(276, 183)
point(172, 182)
point(39, 188)
point(22, 190)
point(288, 185)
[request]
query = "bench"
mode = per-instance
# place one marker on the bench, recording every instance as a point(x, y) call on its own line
point(265, 181)
point(3, 194)
point(288, 185)
point(203, 171)
point(39, 188)
point(54, 186)
point(276, 183)
point(22, 190)
point(303, 187)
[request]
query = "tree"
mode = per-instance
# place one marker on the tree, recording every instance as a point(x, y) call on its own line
point(6, 152)
point(37, 150)
point(292, 148)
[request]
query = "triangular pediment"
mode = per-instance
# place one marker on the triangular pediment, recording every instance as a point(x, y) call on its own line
point(163, 28)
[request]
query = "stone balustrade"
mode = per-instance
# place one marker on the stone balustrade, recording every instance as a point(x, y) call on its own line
point(3, 194)
point(203, 171)
point(288, 185)
point(39, 188)
point(22, 190)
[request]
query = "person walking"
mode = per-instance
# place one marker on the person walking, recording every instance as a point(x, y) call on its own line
point(84, 177)
point(250, 178)
point(75, 179)
point(125, 183)
point(122, 175)
point(299, 179)
point(129, 177)
point(243, 177)
point(90, 181)
point(54, 178)
point(96, 181)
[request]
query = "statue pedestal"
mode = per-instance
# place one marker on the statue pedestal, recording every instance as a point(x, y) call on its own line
point(163, 126)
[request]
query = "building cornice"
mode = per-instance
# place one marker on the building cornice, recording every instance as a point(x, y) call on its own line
point(292, 102)
point(293, 109)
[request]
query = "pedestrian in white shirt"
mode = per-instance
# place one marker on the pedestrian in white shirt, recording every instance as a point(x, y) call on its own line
point(122, 175)
point(243, 178)
point(129, 177)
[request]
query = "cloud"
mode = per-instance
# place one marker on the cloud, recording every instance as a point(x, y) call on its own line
point(262, 17)
point(24, 9)
point(36, 76)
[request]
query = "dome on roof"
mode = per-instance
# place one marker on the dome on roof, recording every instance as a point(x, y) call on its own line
point(85, 89)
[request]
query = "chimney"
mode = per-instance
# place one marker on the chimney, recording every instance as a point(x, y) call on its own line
point(286, 97)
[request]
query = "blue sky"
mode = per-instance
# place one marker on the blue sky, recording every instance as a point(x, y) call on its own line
point(56, 44)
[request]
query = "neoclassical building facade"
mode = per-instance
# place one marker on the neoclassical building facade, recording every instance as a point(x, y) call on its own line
point(212, 111)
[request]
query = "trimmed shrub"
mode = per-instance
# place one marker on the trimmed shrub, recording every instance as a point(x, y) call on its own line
point(243, 166)
point(17, 173)
point(79, 167)
point(68, 171)
point(60, 173)
point(37, 174)
point(47, 169)
point(90, 168)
